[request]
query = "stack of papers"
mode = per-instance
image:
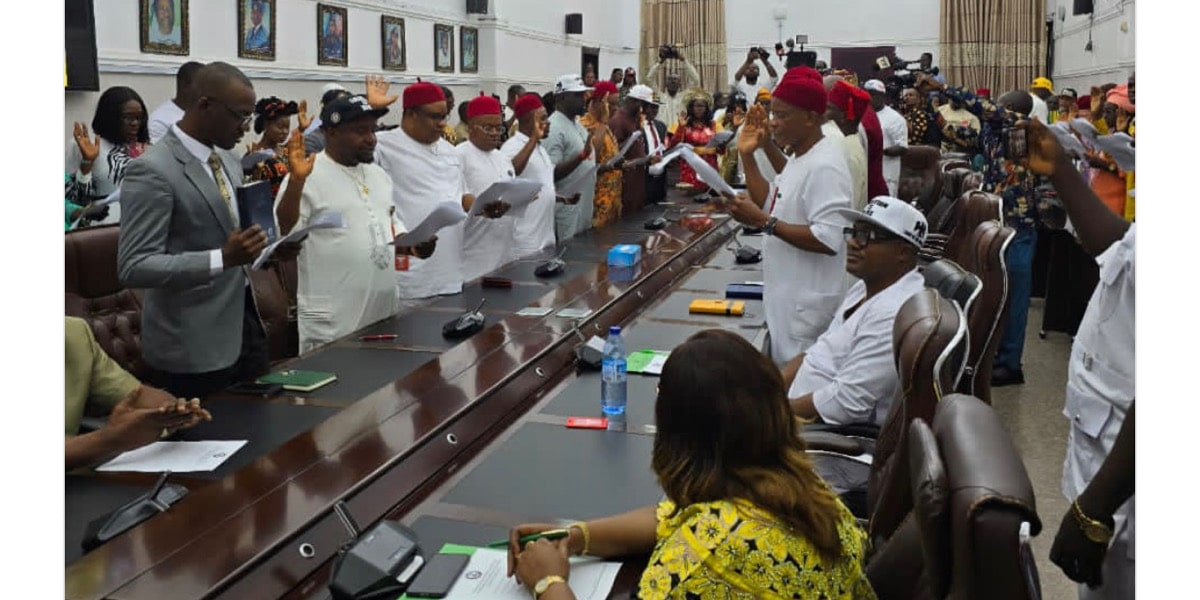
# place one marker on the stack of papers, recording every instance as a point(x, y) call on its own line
point(442, 216)
point(325, 220)
point(708, 174)
point(176, 457)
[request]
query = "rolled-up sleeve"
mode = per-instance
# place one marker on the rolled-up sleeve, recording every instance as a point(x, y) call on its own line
point(868, 376)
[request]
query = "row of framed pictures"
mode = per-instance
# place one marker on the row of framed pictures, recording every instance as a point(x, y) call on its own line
point(164, 30)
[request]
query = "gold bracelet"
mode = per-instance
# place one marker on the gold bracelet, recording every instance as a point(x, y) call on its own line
point(587, 535)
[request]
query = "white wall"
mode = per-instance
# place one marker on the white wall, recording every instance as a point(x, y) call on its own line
point(909, 25)
point(1113, 53)
point(520, 41)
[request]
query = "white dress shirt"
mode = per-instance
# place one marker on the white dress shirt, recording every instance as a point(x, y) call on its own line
point(164, 117)
point(895, 133)
point(216, 263)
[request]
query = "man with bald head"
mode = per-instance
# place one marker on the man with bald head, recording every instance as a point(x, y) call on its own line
point(182, 242)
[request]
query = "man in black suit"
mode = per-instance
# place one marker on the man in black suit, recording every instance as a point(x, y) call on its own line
point(656, 139)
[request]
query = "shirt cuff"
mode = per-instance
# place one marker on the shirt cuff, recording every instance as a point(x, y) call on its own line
point(827, 406)
point(82, 178)
point(215, 263)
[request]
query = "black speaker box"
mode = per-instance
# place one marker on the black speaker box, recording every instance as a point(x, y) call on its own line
point(476, 7)
point(575, 23)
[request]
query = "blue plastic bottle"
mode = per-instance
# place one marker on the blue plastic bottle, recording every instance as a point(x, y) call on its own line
point(612, 387)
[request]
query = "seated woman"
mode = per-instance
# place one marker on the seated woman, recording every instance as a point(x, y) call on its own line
point(267, 159)
point(696, 127)
point(745, 516)
point(121, 135)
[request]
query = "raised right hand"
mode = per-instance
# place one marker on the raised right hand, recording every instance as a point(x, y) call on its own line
point(753, 132)
point(300, 165)
point(574, 540)
point(752, 55)
point(87, 147)
point(243, 246)
point(1045, 151)
point(377, 92)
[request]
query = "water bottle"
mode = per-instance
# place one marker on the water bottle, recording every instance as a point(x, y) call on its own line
point(612, 386)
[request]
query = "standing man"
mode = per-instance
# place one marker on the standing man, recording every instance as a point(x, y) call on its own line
point(487, 242)
point(846, 106)
point(656, 145)
point(534, 230)
point(672, 100)
point(895, 134)
point(346, 277)
point(615, 76)
point(1041, 90)
point(804, 251)
point(746, 78)
point(515, 91)
point(626, 120)
point(570, 148)
point(181, 242)
point(170, 112)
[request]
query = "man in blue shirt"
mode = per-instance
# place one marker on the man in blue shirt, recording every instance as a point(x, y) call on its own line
point(258, 37)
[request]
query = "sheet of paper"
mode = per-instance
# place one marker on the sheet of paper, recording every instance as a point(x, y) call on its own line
point(517, 192)
point(707, 173)
point(324, 220)
point(719, 139)
point(176, 457)
point(1067, 138)
point(485, 578)
point(574, 313)
point(634, 137)
point(658, 168)
point(1118, 146)
point(534, 311)
point(647, 362)
point(1087, 132)
point(443, 215)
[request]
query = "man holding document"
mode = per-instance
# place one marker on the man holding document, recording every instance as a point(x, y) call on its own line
point(345, 274)
point(487, 242)
point(535, 229)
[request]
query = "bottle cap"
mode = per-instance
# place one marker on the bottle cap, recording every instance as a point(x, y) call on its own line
point(614, 330)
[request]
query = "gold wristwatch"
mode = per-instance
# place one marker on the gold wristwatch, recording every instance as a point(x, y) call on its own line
point(1094, 530)
point(544, 584)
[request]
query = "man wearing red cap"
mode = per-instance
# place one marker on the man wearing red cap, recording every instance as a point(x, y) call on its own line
point(534, 230)
point(845, 110)
point(426, 172)
point(804, 251)
point(487, 242)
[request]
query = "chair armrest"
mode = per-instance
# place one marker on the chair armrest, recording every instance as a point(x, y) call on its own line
point(832, 442)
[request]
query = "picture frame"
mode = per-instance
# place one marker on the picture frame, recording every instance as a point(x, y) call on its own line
point(256, 29)
point(394, 44)
point(332, 32)
point(164, 26)
point(468, 44)
point(443, 48)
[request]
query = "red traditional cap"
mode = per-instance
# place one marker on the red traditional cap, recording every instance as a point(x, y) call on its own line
point(527, 104)
point(850, 99)
point(802, 87)
point(422, 93)
point(1084, 103)
point(983, 92)
point(604, 88)
point(482, 105)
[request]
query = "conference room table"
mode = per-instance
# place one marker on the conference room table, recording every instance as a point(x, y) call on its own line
point(459, 440)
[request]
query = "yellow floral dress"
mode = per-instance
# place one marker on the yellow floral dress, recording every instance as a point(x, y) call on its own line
point(733, 550)
point(608, 186)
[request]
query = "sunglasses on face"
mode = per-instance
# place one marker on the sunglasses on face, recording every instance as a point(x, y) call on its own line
point(863, 237)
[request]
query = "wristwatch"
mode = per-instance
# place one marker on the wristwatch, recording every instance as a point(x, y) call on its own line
point(544, 584)
point(1094, 530)
point(769, 227)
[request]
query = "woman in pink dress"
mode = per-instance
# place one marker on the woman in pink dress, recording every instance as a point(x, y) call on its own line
point(696, 127)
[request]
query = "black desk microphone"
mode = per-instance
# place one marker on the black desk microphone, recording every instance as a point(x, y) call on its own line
point(374, 565)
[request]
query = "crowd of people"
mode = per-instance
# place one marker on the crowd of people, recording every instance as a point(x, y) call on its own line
point(819, 157)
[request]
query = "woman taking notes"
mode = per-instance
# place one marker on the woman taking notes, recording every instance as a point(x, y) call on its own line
point(745, 516)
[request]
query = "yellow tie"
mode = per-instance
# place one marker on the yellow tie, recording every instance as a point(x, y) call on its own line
point(214, 162)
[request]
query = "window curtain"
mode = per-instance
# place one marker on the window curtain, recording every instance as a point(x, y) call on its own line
point(697, 27)
point(995, 44)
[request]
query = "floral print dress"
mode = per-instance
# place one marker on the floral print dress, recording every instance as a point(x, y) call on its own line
point(608, 185)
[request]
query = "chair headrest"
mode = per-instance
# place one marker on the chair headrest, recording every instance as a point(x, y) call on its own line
point(953, 282)
point(91, 261)
point(931, 510)
point(952, 186)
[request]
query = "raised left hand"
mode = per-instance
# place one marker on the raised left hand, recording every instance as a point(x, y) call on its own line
point(540, 559)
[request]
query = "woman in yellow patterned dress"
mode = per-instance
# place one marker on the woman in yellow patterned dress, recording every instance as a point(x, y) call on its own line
point(746, 517)
point(608, 179)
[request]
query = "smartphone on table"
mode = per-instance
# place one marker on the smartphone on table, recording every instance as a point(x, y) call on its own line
point(438, 576)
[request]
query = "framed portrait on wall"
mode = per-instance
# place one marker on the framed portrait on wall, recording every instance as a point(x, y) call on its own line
point(443, 48)
point(394, 47)
point(331, 35)
point(256, 29)
point(164, 27)
point(469, 44)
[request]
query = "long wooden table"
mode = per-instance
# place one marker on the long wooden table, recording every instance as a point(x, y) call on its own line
point(460, 441)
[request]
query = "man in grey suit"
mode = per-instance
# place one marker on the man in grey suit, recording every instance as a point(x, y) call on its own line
point(182, 243)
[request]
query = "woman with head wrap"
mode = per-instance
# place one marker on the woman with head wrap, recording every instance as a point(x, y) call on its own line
point(266, 159)
point(695, 126)
point(608, 178)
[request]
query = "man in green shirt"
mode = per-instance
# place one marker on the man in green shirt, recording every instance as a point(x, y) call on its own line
point(138, 413)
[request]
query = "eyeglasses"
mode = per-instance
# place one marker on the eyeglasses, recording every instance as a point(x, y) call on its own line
point(862, 237)
point(133, 119)
point(246, 119)
point(493, 129)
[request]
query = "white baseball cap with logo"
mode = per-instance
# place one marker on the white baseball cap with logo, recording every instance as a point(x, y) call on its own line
point(892, 215)
point(875, 85)
point(568, 84)
point(643, 93)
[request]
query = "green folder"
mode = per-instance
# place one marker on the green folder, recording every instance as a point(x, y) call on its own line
point(299, 381)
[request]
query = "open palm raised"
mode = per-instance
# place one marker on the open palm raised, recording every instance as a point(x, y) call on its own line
point(753, 134)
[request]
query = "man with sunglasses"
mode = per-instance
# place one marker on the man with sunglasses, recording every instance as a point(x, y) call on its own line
point(849, 375)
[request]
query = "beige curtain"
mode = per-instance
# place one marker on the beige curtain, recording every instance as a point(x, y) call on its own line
point(996, 44)
point(697, 27)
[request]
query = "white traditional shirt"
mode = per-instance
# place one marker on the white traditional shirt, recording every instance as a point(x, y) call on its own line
point(534, 231)
point(164, 116)
point(424, 176)
point(345, 276)
point(487, 243)
point(803, 289)
point(563, 143)
point(851, 370)
point(895, 133)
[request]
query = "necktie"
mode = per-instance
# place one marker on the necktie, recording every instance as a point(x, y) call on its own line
point(214, 162)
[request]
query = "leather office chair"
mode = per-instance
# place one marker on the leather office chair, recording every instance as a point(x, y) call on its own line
point(941, 216)
point(94, 294)
point(972, 209)
point(920, 179)
point(974, 512)
point(954, 160)
point(983, 255)
point(954, 283)
point(271, 299)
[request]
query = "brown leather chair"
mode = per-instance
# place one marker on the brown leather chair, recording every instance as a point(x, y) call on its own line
point(954, 160)
point(983, 254)
point(271, 300)
point(974, 208)
point(94, 294)
point(920, 178)
point(975, 508)
point(954, 283)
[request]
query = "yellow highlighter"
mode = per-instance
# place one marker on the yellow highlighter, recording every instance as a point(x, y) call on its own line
point(717, 307)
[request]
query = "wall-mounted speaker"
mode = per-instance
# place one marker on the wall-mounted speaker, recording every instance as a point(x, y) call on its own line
point(575, 23)
point(476, 7)
point(1082, 7)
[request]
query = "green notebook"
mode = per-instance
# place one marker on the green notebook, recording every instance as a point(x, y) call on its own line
point(649, 362)
point(299, 381)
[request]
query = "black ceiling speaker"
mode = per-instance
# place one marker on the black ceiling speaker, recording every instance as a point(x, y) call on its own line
point(575, 23)
point(476, 7)
point(1082, 7)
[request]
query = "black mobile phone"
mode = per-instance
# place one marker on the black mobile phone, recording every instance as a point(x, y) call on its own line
point(437, 576)
point(250, 388)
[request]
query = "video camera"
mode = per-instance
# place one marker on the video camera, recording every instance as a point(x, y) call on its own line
point(796, 58)
point(667, 51)
point(762, 52)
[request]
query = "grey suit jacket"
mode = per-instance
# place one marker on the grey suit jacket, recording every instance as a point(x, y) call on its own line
point(172, 217)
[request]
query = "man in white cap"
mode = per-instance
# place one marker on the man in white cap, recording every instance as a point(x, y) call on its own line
point(314, 138)
point(895, 133)
point(625, 121)
point(849, 375)
point(570, 148)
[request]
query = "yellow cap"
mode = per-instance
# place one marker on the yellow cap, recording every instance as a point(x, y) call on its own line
point(763, 94)
point(1044, 83)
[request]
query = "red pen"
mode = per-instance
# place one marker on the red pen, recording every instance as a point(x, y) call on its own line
point(378, 338)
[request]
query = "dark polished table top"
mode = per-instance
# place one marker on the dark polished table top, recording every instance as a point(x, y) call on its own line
point(452, 439)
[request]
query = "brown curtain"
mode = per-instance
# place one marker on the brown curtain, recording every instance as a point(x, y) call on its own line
point(996, 44)
point(697, 27)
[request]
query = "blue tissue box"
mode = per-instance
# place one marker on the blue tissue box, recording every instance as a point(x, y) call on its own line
point(624, 255)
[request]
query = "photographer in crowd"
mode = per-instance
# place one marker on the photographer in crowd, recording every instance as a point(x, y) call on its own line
point(747, 77)
point(670, 98)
